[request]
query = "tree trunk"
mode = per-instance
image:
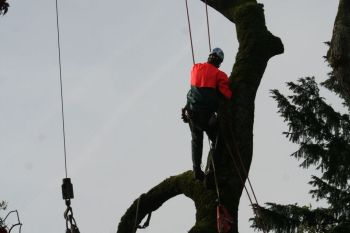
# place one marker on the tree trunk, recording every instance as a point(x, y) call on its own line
point(338, 54)
point(256, 46)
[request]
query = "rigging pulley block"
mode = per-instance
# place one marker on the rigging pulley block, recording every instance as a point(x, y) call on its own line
point(67, 194)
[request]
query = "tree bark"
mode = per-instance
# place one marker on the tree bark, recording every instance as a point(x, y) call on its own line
point(338, 54)
point(256, 46)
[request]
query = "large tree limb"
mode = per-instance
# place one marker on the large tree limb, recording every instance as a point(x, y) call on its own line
point(169, 188)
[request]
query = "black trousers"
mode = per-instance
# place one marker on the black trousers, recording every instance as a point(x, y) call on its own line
point(200, 122)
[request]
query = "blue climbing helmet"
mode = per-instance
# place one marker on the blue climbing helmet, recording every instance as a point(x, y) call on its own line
point(218, 52)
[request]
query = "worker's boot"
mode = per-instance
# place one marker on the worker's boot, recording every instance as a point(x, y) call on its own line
point(198, 173)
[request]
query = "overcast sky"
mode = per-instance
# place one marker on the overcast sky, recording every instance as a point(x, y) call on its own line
point(125, 76)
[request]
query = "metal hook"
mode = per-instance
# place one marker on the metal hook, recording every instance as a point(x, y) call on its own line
point(71, 225)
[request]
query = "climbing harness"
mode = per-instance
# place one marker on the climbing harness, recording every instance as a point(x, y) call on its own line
point(146, 223)
point(220, 209)
point(5, 229)
point(67, 186)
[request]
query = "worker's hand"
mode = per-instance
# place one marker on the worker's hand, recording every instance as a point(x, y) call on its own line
point(184, 115)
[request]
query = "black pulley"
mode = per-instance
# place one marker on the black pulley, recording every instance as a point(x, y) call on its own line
point(67, 189)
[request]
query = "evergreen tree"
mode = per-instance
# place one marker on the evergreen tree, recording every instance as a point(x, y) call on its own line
point(323, 136)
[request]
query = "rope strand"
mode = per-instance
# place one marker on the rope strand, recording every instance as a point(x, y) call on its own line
point(206, 11)
point(190, 31)
point(61, 89)
point(245, 171)
point(250, 184)
point(239, 174)
point(214, 169)
point(241, 178)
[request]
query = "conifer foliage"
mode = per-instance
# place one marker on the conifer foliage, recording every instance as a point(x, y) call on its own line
point(3, 7)
point(323, 136)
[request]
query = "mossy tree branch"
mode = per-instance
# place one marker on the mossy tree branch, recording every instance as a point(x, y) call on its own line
point(169, 188)
point(256, 46)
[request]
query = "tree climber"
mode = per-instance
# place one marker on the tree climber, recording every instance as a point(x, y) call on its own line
point(208, 85)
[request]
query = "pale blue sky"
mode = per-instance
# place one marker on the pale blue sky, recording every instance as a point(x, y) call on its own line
point(125, 76)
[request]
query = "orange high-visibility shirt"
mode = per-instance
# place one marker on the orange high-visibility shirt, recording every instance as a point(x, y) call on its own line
point(207, 75)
